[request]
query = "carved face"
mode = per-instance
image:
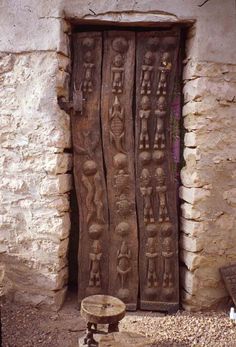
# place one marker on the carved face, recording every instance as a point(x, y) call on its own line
point(148, 58)
point(95, 231)
point(118, 60)
point(120, 44)
point(145, 157)
point(120, 161)
point(145, 103)
point(167, 244)
point(89, 168)
point(151, 245)
point(151, 230)
point(122, 229)
point(165, 58)
point(88, 42)
point(123, 206)
point(145, 177)
point(161, 103)
point(88, 57)
point(160, 175)
point(96, 247)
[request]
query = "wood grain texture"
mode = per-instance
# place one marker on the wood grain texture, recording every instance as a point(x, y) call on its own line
point(156, 58)
point(124, 163)
point(118, 146)
point(102, 309)
point(88, 167)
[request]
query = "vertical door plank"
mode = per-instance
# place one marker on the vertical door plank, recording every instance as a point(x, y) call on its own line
point(156, 60)
point(118, 146)
point(88, 166)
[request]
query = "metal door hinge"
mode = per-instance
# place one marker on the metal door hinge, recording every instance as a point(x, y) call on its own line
point(75, 105)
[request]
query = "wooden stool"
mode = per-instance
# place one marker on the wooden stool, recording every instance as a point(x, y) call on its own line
point(101, 309)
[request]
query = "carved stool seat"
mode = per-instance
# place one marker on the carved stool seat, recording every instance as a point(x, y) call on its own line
point(101, 309)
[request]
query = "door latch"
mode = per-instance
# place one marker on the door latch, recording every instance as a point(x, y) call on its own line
point(75, 105)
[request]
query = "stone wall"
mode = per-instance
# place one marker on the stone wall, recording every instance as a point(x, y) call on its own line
point(35, 182)
point(35, 176)
point(208, 223)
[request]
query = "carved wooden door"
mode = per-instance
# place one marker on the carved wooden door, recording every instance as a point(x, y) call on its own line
point(124, 169)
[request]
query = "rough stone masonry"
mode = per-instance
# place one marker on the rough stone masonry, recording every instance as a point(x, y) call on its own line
point(35, 176)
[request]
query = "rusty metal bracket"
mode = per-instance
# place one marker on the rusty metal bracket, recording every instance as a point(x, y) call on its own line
point(75, 105)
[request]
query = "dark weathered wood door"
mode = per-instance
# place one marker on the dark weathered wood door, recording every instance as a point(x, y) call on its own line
point(124, 165)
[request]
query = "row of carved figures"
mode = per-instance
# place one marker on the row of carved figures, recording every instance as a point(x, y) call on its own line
point(120, 47)
point(145, 114)
point(146, 189)
point(147, 73)
point(159, 257)
point(121, 178)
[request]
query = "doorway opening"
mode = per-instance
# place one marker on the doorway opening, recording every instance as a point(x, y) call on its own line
point(126, 157)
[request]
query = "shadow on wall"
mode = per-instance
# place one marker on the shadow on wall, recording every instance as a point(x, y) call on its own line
point(28, 284)
point(74, 241)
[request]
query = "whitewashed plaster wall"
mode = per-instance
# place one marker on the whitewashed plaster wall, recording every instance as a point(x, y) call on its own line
point(35, 177)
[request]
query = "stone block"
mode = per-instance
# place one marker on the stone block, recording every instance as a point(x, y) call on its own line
point(59, 184)
point(52, 300)
point(190, 139)
point(190, 212)
point(199, 88)
point(191, 244)
point(191, 154)
point(190, 176)
point(192, 228)
point(57, 163)
point(62, 84)
point(193, 195)
point(64, 63)
point(192, 260)
point(63, 247)
point(188, 281)
point(62, 278)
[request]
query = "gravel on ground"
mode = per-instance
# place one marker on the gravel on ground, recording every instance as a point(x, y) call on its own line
point(26, 326)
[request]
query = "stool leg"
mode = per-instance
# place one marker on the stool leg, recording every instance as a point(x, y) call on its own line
point(113, 328)
point(89, 340)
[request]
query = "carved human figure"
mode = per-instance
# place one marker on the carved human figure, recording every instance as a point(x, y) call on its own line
point(160, 113)
point(146, 73)
point(89, 170)
point(123, 205)
point(92, 181)
point(151, 254)
point(117, 71)
point(167, 254)
point(95, 257)
point(161, 192)
point(146, 191)
point(98, 197)
point(116, 116)
point(121, 182)
point(121, 178)
point(123, 263)
point(123, 260)
point(164, 68)
point(144, 115)
point(87, 84)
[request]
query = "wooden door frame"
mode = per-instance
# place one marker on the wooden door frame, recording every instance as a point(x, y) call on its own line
point(143, 22)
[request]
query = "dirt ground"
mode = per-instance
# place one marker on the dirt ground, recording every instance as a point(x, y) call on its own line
point(24, 326)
